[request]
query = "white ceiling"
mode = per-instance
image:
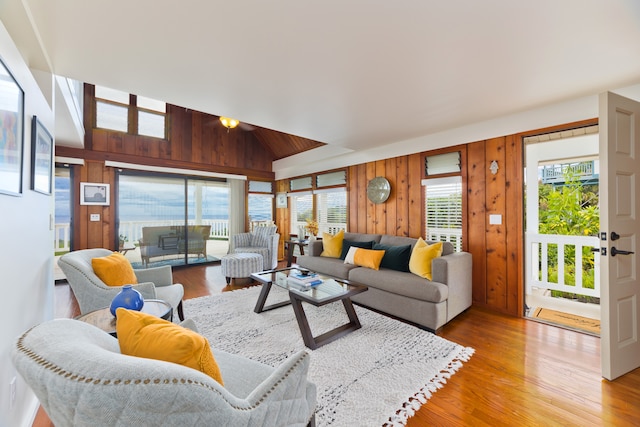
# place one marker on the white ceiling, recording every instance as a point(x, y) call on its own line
point(359, 74)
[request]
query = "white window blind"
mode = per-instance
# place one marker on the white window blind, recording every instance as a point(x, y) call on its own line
point(331, 179)
point(301, 210)
point(443, 208)
point(260, 187)
point(303, 183)
point(331, 210)
point(442, 163)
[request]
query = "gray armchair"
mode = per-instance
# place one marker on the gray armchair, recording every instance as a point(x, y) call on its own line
point(262, 240)
point(93, 294)
point(81, 379)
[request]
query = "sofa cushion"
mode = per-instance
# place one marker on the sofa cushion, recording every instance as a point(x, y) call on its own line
point(332, 266)
point(346, 244)
point(421, 257)
point(395, 257)
point(401, 283)
point(114, 270)
point(386, 239)
point(145, 335)
point(364, 257)
point(332, 244)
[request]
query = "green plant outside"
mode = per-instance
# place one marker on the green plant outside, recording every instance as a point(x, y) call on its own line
point(570, 210)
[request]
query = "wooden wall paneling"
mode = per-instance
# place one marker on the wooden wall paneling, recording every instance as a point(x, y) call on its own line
point(100, 139)
point(114, 143)
point(370, 226)
point(496, 233)
point(187, 136)
point(94, 229)
point(390, 205)
point(196, 137)
point(363, 202)
point(416, 195)
point(402, 196)
point(179, 130)
point(514, 215)
point(380, 221)
point(207, 143)
point(476, 212)
point(465, 215)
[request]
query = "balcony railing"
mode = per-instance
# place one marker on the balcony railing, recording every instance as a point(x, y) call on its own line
point(446, 235)
point(545, 247)
point(132, 230)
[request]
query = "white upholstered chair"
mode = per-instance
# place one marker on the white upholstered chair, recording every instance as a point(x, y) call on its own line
point(262, 240)
point(81, 379)
point(92, 293)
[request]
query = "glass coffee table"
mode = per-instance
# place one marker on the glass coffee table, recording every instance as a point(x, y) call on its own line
point(330, 290)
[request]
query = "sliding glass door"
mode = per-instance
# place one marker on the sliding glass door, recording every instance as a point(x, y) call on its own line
point(171, 220)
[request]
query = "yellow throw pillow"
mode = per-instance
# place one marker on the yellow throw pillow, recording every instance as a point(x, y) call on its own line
point(364, 257)
point(422, 256)
point(145, 335)
point(332, 244)
point(114, 270)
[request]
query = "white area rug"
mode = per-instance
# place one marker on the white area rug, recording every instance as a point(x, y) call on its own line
point(378, 375)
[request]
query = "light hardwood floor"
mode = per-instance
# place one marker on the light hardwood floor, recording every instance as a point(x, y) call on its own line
point(523, 373)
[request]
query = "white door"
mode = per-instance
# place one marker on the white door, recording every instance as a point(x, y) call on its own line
point(619, 231)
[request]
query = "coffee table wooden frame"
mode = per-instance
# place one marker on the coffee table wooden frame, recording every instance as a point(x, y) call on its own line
point(296, 298)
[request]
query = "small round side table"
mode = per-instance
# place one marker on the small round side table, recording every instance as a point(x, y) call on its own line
point(103, 319)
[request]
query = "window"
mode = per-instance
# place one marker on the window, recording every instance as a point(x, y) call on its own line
point(113, 108)
point(151, 117)
point(322, 197)
point(331, 211)
point(443, 208)
point(260, 203)
point(172, 219)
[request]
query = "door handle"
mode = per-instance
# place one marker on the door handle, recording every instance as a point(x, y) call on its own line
point(615, 252)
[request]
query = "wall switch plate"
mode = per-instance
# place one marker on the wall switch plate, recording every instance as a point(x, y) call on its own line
point(495, 219)
point(94, 217)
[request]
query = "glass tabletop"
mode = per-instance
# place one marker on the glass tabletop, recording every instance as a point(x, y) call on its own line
point(328, 288)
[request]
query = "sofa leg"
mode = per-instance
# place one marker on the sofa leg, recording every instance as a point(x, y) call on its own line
point(180, 312)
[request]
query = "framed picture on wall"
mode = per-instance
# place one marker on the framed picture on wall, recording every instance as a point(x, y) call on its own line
point(281, 200)
point(94, 193)
point(41, 157)
point(11, 133)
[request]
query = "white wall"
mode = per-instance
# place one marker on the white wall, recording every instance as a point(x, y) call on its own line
point(26, 246)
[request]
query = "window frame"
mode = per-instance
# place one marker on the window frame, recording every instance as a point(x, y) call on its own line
point(133, 115)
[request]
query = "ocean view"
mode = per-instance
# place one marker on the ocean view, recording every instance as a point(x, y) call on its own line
point(153, 201)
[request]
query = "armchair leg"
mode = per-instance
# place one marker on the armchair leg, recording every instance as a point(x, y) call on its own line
point(312, 421)
point(180, 312)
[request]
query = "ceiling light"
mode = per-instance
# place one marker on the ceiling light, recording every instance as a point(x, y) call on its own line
point(229, 123)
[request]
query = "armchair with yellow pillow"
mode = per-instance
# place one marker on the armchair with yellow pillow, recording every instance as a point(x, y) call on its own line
point(425, 283)
point(97, 275)
point(156, 373)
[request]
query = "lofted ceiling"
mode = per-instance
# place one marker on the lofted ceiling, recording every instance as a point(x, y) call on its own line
point(358, 76)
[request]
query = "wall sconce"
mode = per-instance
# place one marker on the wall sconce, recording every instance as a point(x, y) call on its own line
point(494, 167)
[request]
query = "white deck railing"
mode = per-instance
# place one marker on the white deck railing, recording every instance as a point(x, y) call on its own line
point(132, 230)
point(537, 263)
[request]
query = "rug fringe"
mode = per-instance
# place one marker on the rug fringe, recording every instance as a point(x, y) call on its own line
point(415, 402)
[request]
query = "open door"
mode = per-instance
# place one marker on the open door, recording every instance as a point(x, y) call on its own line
point(619, 228)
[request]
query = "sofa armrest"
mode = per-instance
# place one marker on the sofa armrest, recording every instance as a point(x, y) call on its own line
point(455, 271)
point(160, 276)
point(314, 248)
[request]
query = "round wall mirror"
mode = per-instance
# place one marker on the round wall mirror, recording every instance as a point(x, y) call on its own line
point(378, 189)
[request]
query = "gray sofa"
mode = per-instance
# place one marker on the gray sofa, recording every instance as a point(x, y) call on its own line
point(427, 303)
